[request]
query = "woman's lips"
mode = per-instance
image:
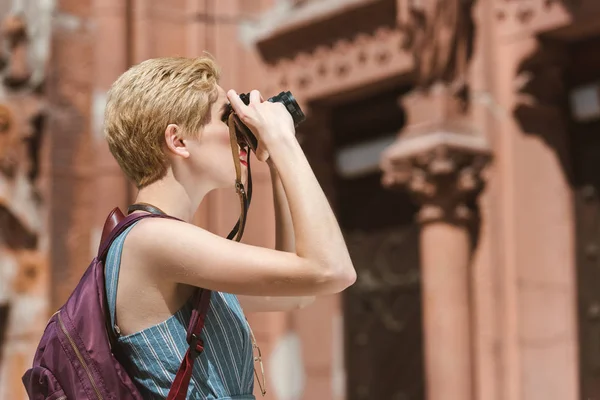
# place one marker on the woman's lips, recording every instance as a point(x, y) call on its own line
point(243, 156)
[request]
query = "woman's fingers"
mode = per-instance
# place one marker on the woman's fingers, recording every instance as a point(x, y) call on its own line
point(255, 97)
point(236, 103)
point(265, 119)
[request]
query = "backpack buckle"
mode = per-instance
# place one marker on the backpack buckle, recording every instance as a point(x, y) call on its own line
point(196, 345)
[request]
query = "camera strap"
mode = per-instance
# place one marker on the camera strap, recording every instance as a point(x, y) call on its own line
point(245, 196)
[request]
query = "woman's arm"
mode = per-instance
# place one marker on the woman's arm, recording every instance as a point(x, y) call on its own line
point(187, 254)
point(252, 304)
point(284, 241)
point(284, 227)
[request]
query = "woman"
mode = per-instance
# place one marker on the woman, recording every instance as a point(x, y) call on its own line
point(164, 126)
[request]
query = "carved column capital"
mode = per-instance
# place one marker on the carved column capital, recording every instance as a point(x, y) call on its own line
point(438, 158)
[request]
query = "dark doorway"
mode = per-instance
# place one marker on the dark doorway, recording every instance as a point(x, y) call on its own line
point(585, 160)
point(382, 311)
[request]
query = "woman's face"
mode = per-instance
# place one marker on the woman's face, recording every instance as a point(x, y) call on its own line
point(211, 152)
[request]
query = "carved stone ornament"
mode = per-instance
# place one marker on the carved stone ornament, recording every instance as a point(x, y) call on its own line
point(439, 34)
point(321, 48)
point(536, 16)
point(437, 157)
point(342, 66)
point(524, 11)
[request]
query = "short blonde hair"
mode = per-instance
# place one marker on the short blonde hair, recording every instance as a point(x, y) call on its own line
point(147, 98)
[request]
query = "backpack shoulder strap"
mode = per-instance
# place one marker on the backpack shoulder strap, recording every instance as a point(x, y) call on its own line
point(113, 219)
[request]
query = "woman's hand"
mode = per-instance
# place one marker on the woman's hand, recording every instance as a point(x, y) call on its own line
point(269, 122)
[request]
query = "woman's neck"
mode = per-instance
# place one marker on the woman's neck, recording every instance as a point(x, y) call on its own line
point(171, 197)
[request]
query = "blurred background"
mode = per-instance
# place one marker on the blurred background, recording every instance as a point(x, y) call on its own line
point(457, 140)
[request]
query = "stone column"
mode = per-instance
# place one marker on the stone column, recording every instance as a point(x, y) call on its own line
point(111, 58)
point(439, 159)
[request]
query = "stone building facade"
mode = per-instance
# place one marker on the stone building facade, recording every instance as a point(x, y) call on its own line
point(456, 139)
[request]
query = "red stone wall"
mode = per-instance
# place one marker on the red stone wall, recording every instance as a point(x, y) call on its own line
point(23, 179)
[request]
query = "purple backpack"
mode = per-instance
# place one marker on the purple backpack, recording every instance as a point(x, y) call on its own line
point(77, 354)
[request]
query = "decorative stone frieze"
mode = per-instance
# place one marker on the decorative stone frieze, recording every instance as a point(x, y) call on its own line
point(321, 48)
point(345, 65)
point(540, 16)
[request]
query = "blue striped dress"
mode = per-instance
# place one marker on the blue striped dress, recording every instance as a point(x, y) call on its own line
point(225, 369)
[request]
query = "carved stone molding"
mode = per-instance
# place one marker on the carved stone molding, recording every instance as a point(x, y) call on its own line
point(318, 49)
point(537, 16)
point(439, 34)
point(444, 175)
point(343, 66)
point(287, 28)
point(438, 158)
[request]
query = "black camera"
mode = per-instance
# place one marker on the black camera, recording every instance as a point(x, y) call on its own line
point(245, 137)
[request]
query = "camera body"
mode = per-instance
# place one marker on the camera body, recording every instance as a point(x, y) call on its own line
point(245, 136)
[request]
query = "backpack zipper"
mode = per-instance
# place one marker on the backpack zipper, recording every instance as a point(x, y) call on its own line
point(80, 357)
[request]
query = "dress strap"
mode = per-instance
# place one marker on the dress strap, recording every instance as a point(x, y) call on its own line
point(112, 267)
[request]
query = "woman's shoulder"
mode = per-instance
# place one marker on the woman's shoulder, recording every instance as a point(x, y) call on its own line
point(157, 235)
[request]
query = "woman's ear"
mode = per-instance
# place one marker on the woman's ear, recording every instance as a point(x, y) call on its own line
point(175, 142)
